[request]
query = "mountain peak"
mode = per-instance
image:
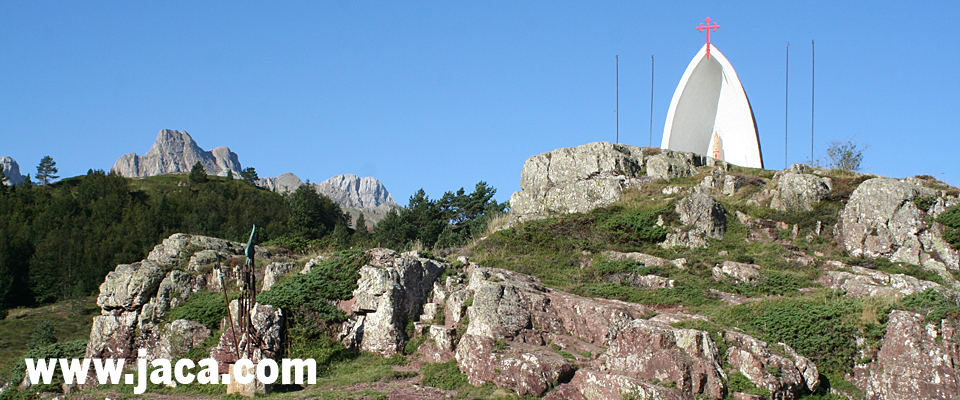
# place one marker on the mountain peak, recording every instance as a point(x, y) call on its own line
point(176, 152)
point(11, 170)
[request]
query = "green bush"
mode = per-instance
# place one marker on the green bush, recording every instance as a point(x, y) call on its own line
point(445, 376)
point(951, 219)
point(737, 382)
point(69, 350)
point(207, 308)
point(824, 331)
point(934, 304)
point(310, 299)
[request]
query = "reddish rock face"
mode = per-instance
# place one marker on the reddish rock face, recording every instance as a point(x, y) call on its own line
point(785, 375)
point(916, 360)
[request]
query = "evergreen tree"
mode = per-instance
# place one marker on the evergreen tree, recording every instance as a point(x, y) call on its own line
point(197, 173)
point(249, 175)
point(46, 170)
point(3, 177)
point(361, 225)
point(313, 215)
point(229, 174)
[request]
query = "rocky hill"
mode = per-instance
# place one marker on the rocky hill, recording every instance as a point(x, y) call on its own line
point(176, 152)
point(623, 272)
point(11, 170)
point(353, 193)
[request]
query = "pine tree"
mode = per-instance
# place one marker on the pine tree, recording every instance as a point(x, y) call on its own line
point(229, 174)
point(249, 175)
point(46, 170)
point(361, 225)
point(197, 173)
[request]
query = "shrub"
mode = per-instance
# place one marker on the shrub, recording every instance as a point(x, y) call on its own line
point(445, 376)
point(934, 304)
point(207, 308)
point(951, 219)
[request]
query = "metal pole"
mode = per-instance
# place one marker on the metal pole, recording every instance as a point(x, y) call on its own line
point(651, 101)
point(618, 99)
point(813, 65)
point(786, 108)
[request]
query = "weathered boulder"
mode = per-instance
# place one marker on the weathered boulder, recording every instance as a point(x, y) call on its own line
point(180, 248)
point(701, 216)
point(881, 220)
point(273, 272)
point(738, 271)
point(130, 286)
point(786, 376)
point(112, 335)
point(174, 289)
point(658, 352)
point(392, 290)
point(797, 191)
point(577, 179)
point(177, 152)
point(644, 259)
point(864, 282)
point(642, 281)
point(526, 372)
point(674, 164)
point(591, 384)
point(916, 360)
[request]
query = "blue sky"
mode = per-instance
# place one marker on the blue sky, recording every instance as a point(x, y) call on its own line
point(441, 95)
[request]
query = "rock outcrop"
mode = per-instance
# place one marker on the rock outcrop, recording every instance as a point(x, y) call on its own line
point(283, 183)
point(882, 219)
point(916, 360)
point(577, 179)
point(507, 328)
point(864, 282)
point(799, 191)
point(175, 152)
point(392, 290)
point(11, 170)
point(702, 217)
point(135, 298)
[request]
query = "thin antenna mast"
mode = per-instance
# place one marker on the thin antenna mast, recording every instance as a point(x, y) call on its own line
point(651, 101)
point(618, 99)
point(813, 65)
point(786, 101)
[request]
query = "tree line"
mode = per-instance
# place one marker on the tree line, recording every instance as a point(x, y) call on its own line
point(60, 240)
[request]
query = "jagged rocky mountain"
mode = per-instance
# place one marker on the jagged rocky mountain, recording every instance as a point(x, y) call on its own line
point(176, 152)
point(11, 170)
point(353, 193)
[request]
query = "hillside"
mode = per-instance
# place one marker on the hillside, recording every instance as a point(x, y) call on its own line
point(621, 272)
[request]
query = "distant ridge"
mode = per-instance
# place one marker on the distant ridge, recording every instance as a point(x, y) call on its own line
point(176, 152)
point(351, 192)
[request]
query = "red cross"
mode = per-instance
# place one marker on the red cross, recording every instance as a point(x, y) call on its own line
point(708, 28)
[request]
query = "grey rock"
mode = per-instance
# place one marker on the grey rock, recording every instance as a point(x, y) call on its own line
point(641, 281)
point(176, 152)
point(112, 335)
point(674, 164)
point(577, 179)
point(180, 249)
point(177, 338)
point(642, 258)
point(753, 358)
point(391, 290)
point(799, 192)
point(738, 271)
point(11, 170)
point(863, 282)
point(175, 289)
point(702, 217)
point(130, 286)
point(881, 220)
point(731, 183)
point(273, 272)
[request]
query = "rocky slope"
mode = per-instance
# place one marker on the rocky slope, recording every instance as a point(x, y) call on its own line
point(859, 262)
point(177, 152)
point(11, 170)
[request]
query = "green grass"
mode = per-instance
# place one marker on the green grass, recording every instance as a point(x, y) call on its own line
point(70, 320)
